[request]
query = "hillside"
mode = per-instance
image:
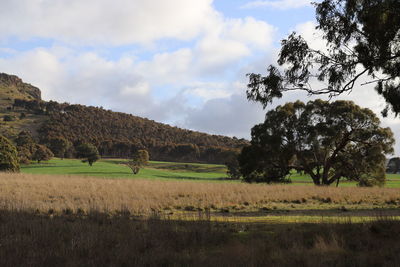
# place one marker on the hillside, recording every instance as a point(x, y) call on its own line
point(115, 134)
point(12, 88)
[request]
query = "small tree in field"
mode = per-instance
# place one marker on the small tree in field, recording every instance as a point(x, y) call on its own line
point(88, 153)
point(8, 156)
point(42, 153)
point(327, 141)
point(140, 159)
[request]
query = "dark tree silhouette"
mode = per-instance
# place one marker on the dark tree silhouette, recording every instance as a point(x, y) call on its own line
point(88, 153)
point(393, 165)
point(362, 38)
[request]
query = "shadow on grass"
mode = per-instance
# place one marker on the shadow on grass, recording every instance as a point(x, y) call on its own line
point(101, 173)
point(333, 212)
point(48, 165)
point(193, 178)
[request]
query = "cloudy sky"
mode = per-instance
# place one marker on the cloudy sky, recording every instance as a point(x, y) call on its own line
point(182, 62)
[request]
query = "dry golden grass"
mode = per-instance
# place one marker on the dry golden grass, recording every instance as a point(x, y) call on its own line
point(76, 194)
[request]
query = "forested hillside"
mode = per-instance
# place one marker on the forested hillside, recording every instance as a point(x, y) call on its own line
point(118, 134)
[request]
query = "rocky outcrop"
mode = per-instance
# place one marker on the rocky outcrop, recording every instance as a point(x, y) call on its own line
point(16, 88)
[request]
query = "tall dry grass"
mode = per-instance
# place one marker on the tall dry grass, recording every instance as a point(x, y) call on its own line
point(77, 194)
point(99, 240)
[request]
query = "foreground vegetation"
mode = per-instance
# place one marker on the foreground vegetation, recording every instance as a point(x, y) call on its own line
point(99, 240)
point(68, 220)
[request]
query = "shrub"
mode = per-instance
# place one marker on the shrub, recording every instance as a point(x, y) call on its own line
point(8, 156)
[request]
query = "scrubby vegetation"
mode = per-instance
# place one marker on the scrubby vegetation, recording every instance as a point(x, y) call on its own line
point(118, 134)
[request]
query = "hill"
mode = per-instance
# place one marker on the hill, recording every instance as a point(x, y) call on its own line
point(115, 134)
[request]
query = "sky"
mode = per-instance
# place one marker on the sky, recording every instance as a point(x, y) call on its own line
point(181, 62)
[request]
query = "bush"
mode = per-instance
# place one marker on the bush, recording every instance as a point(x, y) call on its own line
point(8, 156)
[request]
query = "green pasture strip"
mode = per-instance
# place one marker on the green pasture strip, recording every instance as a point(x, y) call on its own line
point(285, 219)
point(112, 168)
point(115, 168)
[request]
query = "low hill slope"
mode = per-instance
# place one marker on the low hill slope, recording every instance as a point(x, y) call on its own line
point(115, 134)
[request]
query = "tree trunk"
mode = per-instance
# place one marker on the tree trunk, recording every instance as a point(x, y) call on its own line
point(337, 183)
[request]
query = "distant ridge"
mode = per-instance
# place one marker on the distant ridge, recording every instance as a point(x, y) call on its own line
point(115, 134)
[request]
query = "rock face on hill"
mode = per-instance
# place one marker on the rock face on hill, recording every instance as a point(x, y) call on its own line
point(12, 87)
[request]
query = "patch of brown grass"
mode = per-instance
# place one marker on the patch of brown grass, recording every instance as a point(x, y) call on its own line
point(73, 194)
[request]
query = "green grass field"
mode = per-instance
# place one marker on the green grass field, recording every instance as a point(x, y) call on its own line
point(114, 168)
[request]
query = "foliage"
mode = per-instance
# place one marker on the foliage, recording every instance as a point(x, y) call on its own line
point(393, 165)
point(328, 141)
point(8, 156)
point(362, 38)
point(26, 147)
point(232, 165)
point(59, 146)
point(42, 153)
point(88, 153)
point(140, 158)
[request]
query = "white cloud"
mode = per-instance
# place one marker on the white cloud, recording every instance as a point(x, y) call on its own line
point(107, 22)
point(279, 4)
point(225, 43)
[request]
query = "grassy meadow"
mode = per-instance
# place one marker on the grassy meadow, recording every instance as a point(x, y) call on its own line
point(114, 168)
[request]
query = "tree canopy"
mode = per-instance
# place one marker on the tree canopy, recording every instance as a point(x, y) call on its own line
point(42, 153)
point(327, 141)
point(88, 153)
point(8, 156)
point(140, 158)
point(362, 38)
point(393, 165)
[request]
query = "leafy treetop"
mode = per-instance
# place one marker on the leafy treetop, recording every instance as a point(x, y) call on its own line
point(88, 153)
point(362, 38)
point(328, 141)
point(8, 156)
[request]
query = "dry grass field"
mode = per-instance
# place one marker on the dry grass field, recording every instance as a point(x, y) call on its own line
point(72, 194)
point(81, 221)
